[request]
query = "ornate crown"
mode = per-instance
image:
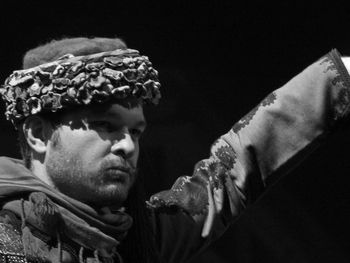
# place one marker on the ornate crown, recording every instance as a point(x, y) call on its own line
point(70, 80)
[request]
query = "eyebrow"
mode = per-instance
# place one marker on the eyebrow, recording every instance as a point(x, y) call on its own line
point(142, 124)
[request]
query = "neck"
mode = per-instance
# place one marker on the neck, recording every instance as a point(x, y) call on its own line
point(39, 170)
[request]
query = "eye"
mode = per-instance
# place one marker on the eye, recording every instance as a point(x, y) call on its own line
point(136, 133)
point(101, 126)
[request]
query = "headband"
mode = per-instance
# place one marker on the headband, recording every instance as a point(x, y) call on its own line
point(72, 81)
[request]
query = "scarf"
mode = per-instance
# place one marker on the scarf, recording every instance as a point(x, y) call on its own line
point(44, 208)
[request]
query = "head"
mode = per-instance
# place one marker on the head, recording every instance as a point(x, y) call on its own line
point(89, 147)
point(87, 151)
point(89, 154)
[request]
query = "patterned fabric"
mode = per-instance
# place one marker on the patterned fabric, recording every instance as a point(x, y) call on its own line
point(72, 81)
point(341, 94)
point(269, 141)
point(11, 248)
point(246, 119)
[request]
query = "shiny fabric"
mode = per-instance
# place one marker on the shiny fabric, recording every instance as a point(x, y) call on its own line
point(265, 144)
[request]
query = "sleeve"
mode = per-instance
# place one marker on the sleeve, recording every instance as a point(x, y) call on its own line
point(266, 143)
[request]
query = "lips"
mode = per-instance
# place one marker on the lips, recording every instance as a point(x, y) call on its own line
point(124, 169)
point(119, 173)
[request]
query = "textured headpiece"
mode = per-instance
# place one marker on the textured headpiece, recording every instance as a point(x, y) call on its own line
point(69, 81)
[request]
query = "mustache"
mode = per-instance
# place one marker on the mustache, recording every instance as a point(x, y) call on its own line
point(120, 164)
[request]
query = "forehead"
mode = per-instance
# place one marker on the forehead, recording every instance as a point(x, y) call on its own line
point(111, 111)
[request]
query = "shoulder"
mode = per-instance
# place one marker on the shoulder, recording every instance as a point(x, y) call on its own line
point(11, 248)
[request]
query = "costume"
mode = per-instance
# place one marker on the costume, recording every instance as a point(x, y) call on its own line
point(83, 80)
point(268, 142)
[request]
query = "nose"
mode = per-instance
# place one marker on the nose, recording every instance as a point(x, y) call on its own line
point(124, 146)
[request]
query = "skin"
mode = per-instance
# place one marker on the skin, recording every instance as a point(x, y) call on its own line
point(92, 155)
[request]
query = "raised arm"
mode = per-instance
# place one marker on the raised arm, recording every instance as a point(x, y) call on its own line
point(269, 141)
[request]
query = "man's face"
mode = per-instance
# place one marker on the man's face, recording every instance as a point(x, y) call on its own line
point(93, 155)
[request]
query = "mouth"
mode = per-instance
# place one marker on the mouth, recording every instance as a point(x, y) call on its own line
point(118, 174)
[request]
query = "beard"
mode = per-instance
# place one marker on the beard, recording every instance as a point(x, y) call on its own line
point(104, 186)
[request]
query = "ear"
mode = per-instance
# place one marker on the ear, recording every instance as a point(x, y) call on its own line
point(37, 132)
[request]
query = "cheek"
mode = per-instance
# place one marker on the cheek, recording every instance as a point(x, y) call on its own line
point(86, 144)
point(135, 156)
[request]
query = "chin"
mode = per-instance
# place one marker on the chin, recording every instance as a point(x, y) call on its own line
point(110, 196)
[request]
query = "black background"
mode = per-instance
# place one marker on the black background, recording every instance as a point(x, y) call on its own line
point(216, 61)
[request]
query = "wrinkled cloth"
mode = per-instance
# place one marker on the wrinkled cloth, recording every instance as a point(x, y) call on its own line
point(41, 207)
point(264, 145)
point(267, 143)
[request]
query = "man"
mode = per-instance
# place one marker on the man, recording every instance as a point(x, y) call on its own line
point(78, 110)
